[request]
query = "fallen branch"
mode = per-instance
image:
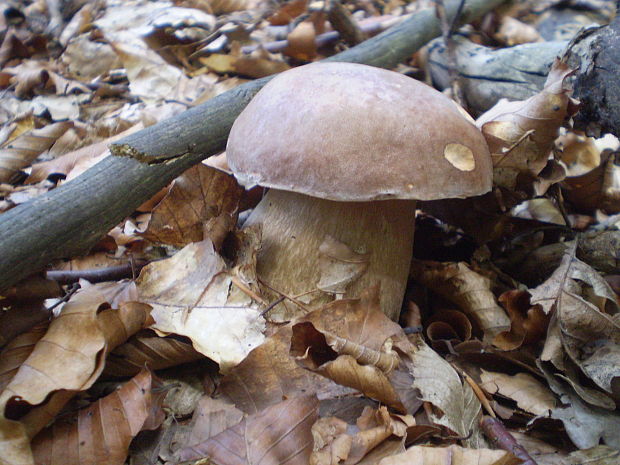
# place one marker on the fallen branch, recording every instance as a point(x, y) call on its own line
point(69, 220)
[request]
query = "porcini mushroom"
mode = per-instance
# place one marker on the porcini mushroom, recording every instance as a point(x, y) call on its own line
point(347, 149)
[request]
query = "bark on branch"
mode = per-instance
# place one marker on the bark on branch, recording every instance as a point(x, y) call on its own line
point(69, 220)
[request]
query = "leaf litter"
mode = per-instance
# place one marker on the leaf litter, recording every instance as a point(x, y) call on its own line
point(342, 383)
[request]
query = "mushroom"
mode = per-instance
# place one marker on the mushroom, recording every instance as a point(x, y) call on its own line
point(346, 150)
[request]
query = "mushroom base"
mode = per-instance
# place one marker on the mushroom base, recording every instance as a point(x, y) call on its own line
point(293, 228)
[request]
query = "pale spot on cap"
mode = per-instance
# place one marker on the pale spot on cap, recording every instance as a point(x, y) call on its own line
point(460, 156)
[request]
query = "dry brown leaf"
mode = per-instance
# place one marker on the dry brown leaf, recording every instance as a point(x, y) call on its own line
point(312, 350)
point(18, 350)
point(149, 350)
point(528, 323)
point(512, 32)
point(74, 163)
point(350, 341)
point(287, 12)
point(280, 376)
point(33, 74)
point(336, 443)
point(22, 151)
point(540, 209)
point(302, 40)
point(279, 434)
point(521, 134)
point(71, 355)
point(451, 455)
point(585, 424)
point(189, 294)
point(586, 332)
point(529, 393)
point(102, 432)
point(469, 290)
point(220, 7)
point(211, 417)
point(257, 65)
point(458, 408)
point(196, 198)
point(447, 328)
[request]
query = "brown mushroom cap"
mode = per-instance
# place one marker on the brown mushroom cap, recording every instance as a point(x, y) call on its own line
point(351, 132)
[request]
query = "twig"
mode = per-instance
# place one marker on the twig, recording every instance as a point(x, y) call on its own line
point(241, 285)
point(500, 437)
point(96, 275)
point(72, 290)
point(369, 28)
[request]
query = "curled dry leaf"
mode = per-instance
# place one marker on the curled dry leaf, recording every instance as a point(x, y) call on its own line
point(362, 371)
point(200, 195)
point(335, 442)
point(189, 294)
point(149, 350)
point(520, 134)
point(447, 328)
point(69, 356)
point(350, 341)
point(280, 376)
point(451, 455)
point(528, 323)
point(22, 151)
point(469, 290)
point(102, 432)
point(278, 434)
point(36, 74)
point(529, 393)
point(72, 164)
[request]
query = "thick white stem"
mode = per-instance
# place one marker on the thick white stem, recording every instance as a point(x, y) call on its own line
point(294, 227)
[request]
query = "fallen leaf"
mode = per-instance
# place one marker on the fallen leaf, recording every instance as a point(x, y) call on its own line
point(102, 432)
point(149, 350)
point(457, 406)
point(211, 417)
point(197, 197)
point(528, 323)
point(451, 455)
point(585, 425)
point(529, 393)
point(469, 290)
point(22, 151)
point(335, 442)
point(278, 434)
point(520, 134)
point(585, 332)
point(189, 292)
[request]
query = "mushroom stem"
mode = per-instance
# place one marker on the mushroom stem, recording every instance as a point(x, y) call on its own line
point(295, 225)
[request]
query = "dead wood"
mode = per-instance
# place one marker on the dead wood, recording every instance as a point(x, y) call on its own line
point(595, 53)
point(487, 75)
point(69, 220)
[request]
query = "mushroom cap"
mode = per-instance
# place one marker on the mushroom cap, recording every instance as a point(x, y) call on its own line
point(350, 132)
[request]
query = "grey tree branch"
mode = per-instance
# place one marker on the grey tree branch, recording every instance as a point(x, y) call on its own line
point(69, 220)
